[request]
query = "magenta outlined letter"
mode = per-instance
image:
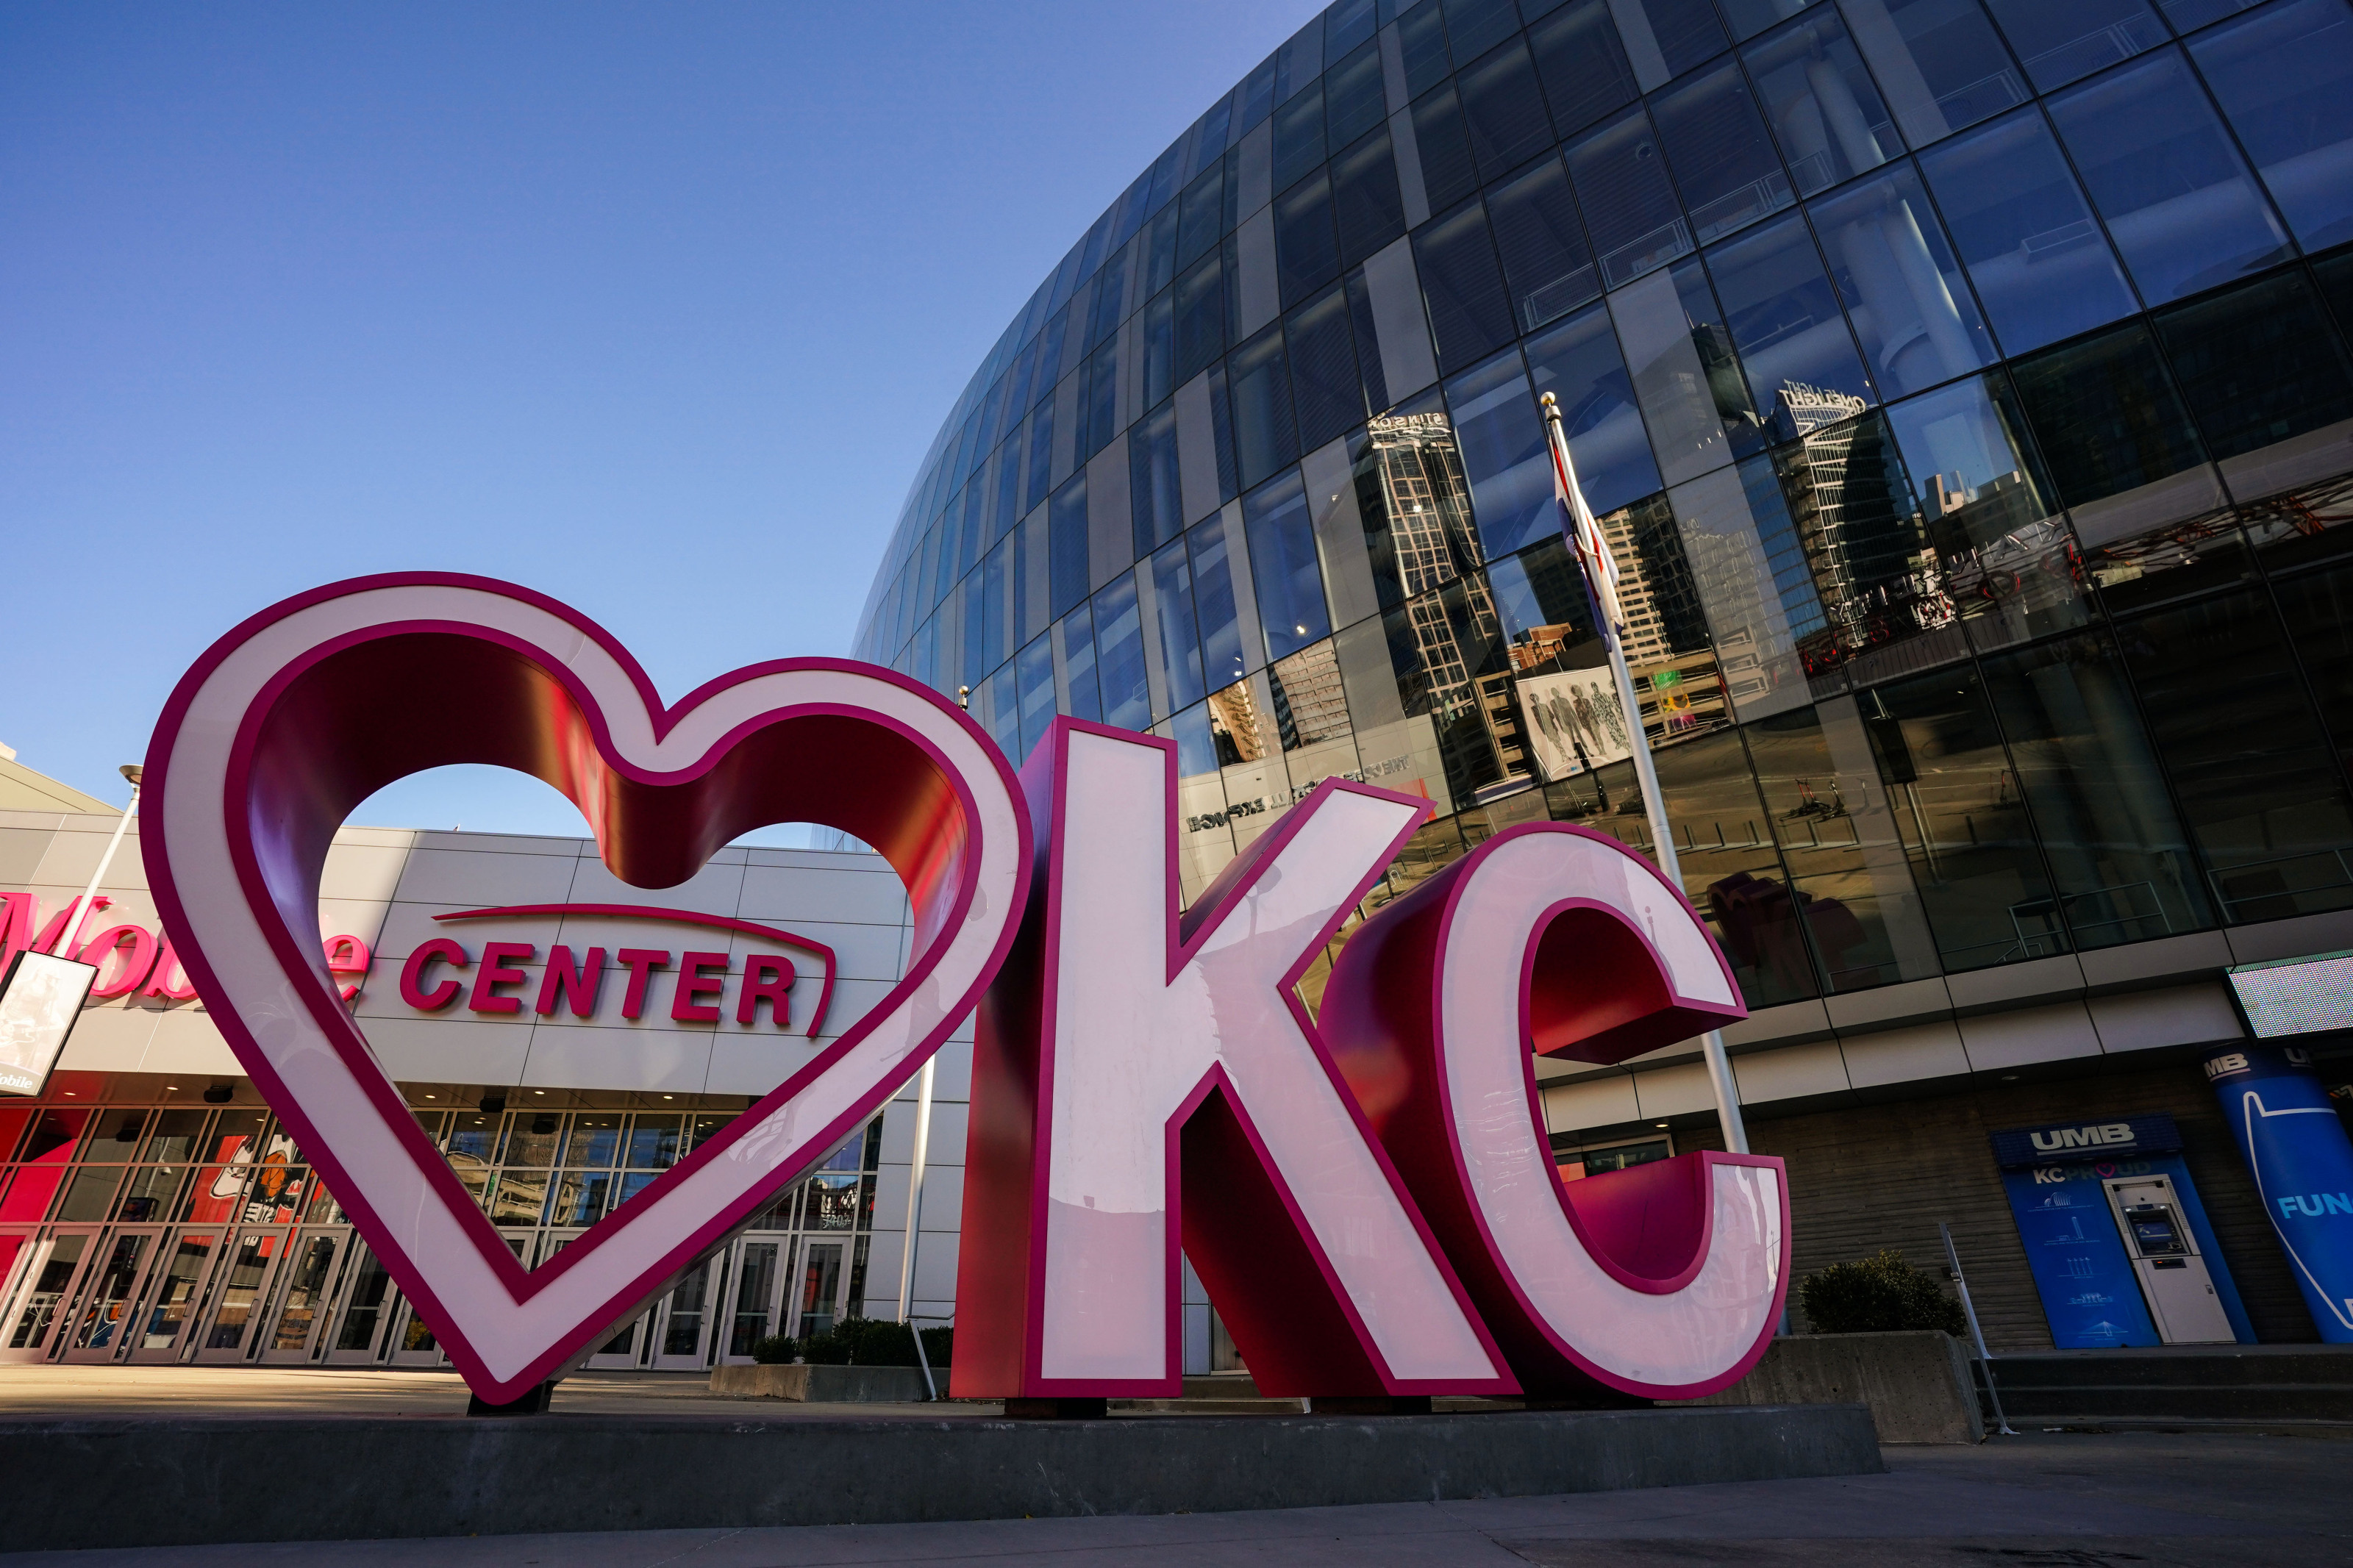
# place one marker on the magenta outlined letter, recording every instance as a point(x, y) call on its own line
point(1661, 1281)
point(1141, 1078)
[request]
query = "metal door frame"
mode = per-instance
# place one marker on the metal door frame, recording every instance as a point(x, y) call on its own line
point(807, 1251)
point(324, 1310)
point(132, 1301)
point(780, 1288)
point(715, 1290)
point(199, 1294)
point(36, 1257)
point(216, 1288)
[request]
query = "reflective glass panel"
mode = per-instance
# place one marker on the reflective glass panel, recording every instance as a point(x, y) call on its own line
point(1118, 655)
point(2284, 77)
point(1583, 65)
point(1578, 362)
point(2059, 43)
point(1824, 109)
point(1902, 283)
point(1784, 320)
point(1940, 63)
point(1546, 259)
point(1629, 209)
point(2120, 861)
point(1724, 162)
point(2177, 198)
point(1502, 440)
point(2026, 233)
point(1284, 566)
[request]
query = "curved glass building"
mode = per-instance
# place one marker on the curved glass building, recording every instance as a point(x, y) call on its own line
point(1964, 385)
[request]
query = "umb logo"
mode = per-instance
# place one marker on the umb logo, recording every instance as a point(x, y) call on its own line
point(2061, 1137)
point(2216, 1066)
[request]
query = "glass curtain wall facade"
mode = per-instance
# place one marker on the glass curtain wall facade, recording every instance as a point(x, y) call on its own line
point(1963, 386)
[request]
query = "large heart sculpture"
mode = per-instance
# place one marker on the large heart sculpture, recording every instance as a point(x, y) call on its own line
point(290, 721)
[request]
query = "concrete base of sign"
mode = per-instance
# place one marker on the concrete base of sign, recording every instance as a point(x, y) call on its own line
point(182, 1482)
point(824, 1384)
point(1917, 1381)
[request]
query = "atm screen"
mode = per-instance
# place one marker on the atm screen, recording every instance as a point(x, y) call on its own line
point(2154, 1231)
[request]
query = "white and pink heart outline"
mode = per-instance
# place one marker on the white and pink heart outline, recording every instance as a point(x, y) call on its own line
point(293, 718)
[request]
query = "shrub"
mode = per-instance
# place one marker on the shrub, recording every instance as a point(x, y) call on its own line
point(777, 1350)
point(1878, 1294)
point(866, 1341)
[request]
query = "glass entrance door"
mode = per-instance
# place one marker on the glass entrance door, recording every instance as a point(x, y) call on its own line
point(239, 1287)
point(759, 1285)
point(683, 1320)
point(104, 1306)
point(174, 1285)
point(368, 1304)
point(305, 1286)
point(43, 1289)
point(817, 1303)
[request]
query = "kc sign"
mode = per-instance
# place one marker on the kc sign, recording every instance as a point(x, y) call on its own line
point(1368, 1193)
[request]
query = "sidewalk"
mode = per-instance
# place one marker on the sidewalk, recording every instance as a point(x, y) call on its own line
point(2130, 1500)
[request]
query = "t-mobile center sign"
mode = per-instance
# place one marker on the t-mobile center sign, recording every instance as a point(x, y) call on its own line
point(1368, 1191)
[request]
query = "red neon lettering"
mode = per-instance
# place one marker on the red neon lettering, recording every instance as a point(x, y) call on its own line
point(412, 971)
point(159, 978)
point(686, 1005)
point(578, 984)
point(767, 976)
point(497, 972)
point(137, 959)
point(642, 963)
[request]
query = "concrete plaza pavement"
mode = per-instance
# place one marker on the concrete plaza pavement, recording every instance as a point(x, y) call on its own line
point(2073, 1498)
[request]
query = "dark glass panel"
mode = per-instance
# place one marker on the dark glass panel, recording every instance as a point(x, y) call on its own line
point(1178, 650)
point(2059, 44)
point(2177, 198)
point(1067, 546)
point(1352, 102)
point(1839, 839)
point(1901, 283)
point(1447, 655)
point(1413, 500)
point(1119, 656)
point(1421, 38)
point(2107, 418)
point(1751, 17)
point(2117, 854)
point(2022, 225)
point(1075, 644)
point(1266, 436)
point(1203, 216)
point(2285, 77)
point(1784, 320)
point(1475, 27)
point(1298, 138)
point(2008, 561)
point(2256, 777)
point(1578, 362)
point(1964, 822)
point(2318, 609)
point(1156, 504)
point(1160, 251)
point(1223, 658)
point(1200, 317)
point(1724, 163)
point(1503, 446)
point(1369, 337)
point(1865, 546)
point(1159, 349)
point(1348, 23)
point(1823, 106)
point(1306, 246)
point(1470, 309)
point(1365, 199)
point(1324, 385)
point(1505, 109)
point(1547, 262)
point(1939, 62)
point(2258, 364)
point(1629, 209)
point(1736, 881)
point(1582, 64)
point(1042, 455)
point(1284, 566)
point(1449, 173)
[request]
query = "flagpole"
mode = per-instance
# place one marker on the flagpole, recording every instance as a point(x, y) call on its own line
point(1592, 555)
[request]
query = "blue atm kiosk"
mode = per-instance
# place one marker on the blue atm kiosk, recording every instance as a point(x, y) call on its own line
point(2119, 1243)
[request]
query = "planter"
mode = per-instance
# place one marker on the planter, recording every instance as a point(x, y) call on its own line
point(1917, 1381)
point(824, 1384)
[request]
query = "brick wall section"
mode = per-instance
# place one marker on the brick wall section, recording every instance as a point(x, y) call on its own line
point(1869, 1176)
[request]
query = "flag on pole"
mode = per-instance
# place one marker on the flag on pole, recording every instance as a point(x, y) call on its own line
point(1584, 534)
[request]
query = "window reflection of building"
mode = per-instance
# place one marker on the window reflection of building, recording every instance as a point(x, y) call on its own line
point(1425, 494)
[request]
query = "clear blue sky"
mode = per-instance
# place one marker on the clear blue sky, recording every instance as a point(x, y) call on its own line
point(653, 308)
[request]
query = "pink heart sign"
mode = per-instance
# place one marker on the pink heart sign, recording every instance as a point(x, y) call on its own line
point(291, 719)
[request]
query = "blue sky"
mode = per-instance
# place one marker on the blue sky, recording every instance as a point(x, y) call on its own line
point(654, 308)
